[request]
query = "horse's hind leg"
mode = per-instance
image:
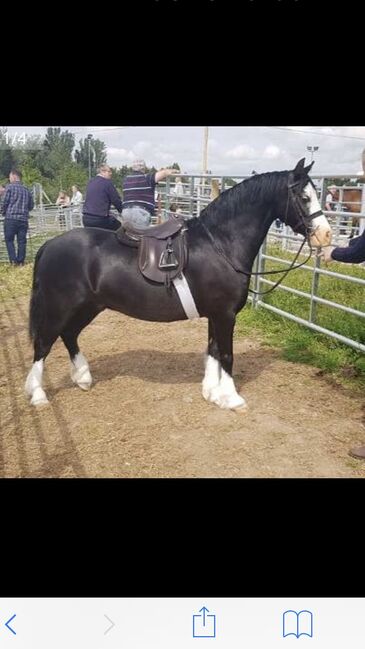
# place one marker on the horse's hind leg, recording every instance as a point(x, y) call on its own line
point(225, 394)
point(33, 383)
point(80, 372)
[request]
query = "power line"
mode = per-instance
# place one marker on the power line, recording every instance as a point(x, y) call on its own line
point(102, 130)
point(294, 130)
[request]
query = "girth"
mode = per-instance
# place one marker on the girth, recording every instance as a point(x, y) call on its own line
point(162, 249)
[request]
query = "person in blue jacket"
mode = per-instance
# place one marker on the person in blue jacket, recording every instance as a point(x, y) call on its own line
point(100, 195)
point(354, 253)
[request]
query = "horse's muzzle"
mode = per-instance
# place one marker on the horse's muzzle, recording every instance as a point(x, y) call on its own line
point(320, 232)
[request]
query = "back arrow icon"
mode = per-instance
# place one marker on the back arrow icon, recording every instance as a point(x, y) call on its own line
point(110, 627)
point(9, 627)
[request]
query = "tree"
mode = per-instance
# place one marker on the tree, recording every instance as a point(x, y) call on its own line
point(6, 154)
point(229, 182)
point(56, 152)
point(98, 154)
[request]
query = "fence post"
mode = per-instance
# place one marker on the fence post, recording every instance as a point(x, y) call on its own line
point(323, 194)
point(167, 198)
point(314, 289)
point(191, 196)
point(259, 268)
point(362, 221)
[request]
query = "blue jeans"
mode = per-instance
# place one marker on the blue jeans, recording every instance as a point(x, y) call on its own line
point(137, 216)
point(16, 228)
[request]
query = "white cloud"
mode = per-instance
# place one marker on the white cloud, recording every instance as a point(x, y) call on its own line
point(213, 145)
point(241, 151)
point(118, 157)
point(166, 157)
point(271, 152)
point(142, 147)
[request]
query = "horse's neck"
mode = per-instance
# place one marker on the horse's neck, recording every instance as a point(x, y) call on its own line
point(248, 234)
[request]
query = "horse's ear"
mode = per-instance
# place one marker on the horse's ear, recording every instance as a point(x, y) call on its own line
point(299, 169)
point(307, 169)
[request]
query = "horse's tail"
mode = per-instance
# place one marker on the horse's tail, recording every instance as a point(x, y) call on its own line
point(36, 309)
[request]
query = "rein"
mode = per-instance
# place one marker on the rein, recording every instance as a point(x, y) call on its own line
point(299, 208)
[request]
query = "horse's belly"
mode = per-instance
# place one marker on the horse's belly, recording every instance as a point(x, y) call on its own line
point(145, 300)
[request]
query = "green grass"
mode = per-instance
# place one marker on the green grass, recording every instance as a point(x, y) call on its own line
point(15, 281)
point(300, 344)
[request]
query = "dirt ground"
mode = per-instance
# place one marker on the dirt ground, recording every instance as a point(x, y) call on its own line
point(145, 415)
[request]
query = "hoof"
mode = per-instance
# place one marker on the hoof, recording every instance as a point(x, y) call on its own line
point(241, 409)
point(39, 402)
point(39, 398)
point(84, 386)
point(226, 401)
point(82, 378)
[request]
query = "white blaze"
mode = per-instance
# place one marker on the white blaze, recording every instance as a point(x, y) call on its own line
point(321, 230)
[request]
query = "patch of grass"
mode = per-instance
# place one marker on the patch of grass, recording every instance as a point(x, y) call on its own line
point(302, 345)
point(15, 280)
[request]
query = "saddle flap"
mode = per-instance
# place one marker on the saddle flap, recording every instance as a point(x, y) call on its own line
point(159, 259)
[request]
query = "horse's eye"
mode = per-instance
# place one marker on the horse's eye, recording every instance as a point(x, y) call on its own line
point(306, 198)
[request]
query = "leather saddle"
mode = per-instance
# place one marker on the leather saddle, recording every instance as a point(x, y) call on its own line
point(162, 249)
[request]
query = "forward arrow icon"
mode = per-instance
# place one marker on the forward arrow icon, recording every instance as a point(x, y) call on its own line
point(111, 624)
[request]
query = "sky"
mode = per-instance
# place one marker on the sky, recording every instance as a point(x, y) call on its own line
point(232, 150)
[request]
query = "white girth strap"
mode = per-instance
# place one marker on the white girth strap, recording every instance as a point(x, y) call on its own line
point(186, 297)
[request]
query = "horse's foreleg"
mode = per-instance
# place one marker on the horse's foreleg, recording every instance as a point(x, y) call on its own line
point(225, 394)
point(212, 374)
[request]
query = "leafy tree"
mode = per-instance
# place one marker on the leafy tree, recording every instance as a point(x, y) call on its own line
point(229, 182)
point(6, 154)
point(57, 151)
point(98, 154)
point(343, 181)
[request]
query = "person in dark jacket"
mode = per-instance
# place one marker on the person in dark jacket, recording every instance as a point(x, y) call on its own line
point(100, 195)
point(354, 253)
point(139, 193)
point(17, 202)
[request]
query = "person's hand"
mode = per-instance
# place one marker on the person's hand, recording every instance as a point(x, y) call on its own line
point(326, 253)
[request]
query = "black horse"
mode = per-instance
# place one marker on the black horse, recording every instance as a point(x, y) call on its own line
point(80, 273)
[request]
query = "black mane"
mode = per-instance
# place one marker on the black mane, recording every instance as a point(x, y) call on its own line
point(256, 189)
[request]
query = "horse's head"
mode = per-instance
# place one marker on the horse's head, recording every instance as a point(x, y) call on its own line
point(303, 210)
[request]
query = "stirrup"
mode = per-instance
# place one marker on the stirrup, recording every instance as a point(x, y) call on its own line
point(168, 259)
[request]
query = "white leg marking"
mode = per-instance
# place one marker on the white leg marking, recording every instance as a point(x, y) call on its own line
point(80, 373)
point(212, 376)
point(33, 384)
point(225, 394)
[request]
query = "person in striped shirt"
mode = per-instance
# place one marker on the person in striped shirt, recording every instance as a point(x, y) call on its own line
point(139, 193)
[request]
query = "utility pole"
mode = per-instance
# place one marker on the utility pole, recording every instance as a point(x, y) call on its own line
point(312, 150)
point(205, 157)
point(205, 149)
point(89, 137)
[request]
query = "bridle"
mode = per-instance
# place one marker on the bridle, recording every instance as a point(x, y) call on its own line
point(308, 231)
